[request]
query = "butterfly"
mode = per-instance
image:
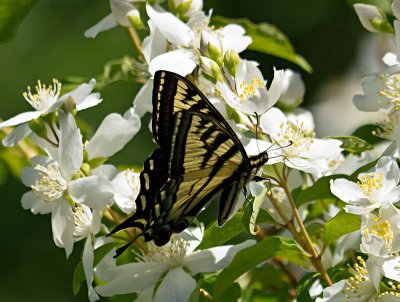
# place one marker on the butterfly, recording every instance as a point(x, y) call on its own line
point(199, 155)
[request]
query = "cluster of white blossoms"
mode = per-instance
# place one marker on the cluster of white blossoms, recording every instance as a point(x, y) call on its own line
point(375, 194)
point(307, 181)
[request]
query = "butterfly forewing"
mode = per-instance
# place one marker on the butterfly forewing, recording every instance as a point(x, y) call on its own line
point(199, 156)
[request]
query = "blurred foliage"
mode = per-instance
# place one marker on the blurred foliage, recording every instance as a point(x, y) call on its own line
point(50, 44)
point(12, 12)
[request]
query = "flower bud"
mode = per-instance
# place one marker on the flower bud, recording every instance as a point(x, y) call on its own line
point(135, 20)
point(211, 47)
point(211, 70)
point(231, 60)
point(372, 18)
point(185, 8)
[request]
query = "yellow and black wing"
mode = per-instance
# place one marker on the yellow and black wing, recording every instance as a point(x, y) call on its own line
point(199, 156)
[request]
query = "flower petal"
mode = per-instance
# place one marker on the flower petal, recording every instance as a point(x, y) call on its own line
point(155, 44)
point(234, 38)
point(91, 100)
point(114, 132)
point(173, 29)
point(93, 191)
point(19, 133)
point(142, 102)
point(275, 90)
point(63, 225)
point(106, 23)
point(177, 286)
point(213, 259)
point(32, 202)
point(20, 118)
point(87, 260)
point(71, 147)
point(271, 121)
point(346, 190)
point(130, 278)
point(180, 61)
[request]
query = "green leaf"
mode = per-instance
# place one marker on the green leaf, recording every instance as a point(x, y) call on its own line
point(303, 287)
point(267, 39)
point(363, 169)
point(321, 189)
point(215, 235)
point(79, 274)
point(342, 224)
point(366, 133)
point(353, 144)
point(232, 293)
point(248, 258)
point(12, 12)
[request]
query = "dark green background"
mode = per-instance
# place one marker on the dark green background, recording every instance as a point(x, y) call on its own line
point(50, 44)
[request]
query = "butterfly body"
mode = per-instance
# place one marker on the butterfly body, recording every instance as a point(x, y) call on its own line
point(199, 156)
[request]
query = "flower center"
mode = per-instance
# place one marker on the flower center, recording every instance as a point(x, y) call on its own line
point(391, 127)
point(133, 181)
point(358, 285)
point(394, 290)
point(171, 253)
point(51, 184)
point(44, 96)
point(382, 228)
point(83, 221)
point(247, 90)
point(392, 90)
point(293, 138)
point(370, 184)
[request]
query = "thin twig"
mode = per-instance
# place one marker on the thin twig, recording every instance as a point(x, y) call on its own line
point(136, 42)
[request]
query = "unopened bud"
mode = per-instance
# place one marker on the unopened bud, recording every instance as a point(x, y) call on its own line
point(231, 60)
point(211, 70)
point(135, 20)
point(211, 47)
point(372, 18)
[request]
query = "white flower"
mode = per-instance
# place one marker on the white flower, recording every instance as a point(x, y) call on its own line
point(127, 187)
point(358, 288)
point(48, 178)
point(293, 89)
point(114, 132)
point(368, 14)
point(170, 268)
point(46, 100)
point(251, 94)
point(373, 190)
point(87, 224)
point(121, 10)
point(381, 234)
point(381, 91)
point(298, 149)
point(52, 184)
